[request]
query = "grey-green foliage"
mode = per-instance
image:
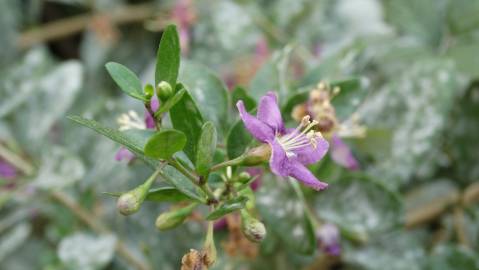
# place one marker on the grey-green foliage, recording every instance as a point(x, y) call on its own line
point(396, 251)
point(84, 251)
point(415, 107)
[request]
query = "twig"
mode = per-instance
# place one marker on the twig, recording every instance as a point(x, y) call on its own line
point(16, 161)
point(459, 226)
point(65, 27)
point(90, 220)
point(85, 216)
point(434, 209)
point(194, 179)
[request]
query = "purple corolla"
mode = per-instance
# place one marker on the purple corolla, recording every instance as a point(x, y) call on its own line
point(291, 149)
point(329, 239)
point(342, 155)
point(7, 171)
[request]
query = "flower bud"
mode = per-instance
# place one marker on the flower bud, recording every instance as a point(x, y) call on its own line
point(149, 91)
point(244, 177)
point(252, 228)
point(164, 90)
point(130, 202)
point(173, 218)
point(329, 239)
point(257, 155)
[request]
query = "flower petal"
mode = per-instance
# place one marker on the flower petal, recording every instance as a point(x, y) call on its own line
point(149, 119)
point(301, 173)
point(124, 154)
point(258, 129)
point(342, 155)
point(268, 112)
point(7, 171)
point(312, 153)
point(279, 162)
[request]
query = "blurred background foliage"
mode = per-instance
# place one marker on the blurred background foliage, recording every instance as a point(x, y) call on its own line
point(411, 206)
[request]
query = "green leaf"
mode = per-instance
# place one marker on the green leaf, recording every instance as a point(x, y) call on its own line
point(126, 80)
point(131, 140)
point(228, 207)
point(163, 144)
point(166, 194)
point(183, 184)
point(168, 57)
point(206, 148)
point(238, 140)
point(186, 117)
point(170, 102)
point(206, 89)
point(239, 93)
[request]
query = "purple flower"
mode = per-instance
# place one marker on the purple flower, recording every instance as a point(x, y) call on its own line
point(150, 119)
point(220, 224)
point(7, 171)
point(328, 239)
point(342, 155)
point(124, 154)
point(291, 149)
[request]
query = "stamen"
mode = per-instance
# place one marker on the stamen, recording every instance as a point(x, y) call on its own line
point(297, 139)
point(130, 120)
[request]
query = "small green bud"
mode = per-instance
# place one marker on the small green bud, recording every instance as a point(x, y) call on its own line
point(149, 91)
point(173, 218)
point(244, 177)
point(164, 90)
point(257, 155)
point(252, 228)
point(130, 202)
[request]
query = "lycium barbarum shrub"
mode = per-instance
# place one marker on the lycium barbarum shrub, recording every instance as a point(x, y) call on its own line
point(185, 151)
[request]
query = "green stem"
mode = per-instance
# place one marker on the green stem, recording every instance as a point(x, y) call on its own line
point(194, 179)
point(16, 161)
point(227, 163)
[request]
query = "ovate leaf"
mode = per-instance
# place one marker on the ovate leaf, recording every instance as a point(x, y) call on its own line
point(168, 57)
point(126, 80)
point(186, 117)
point(130, 140)
point(206, 148)
point(163, 144)
point(206, 89)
